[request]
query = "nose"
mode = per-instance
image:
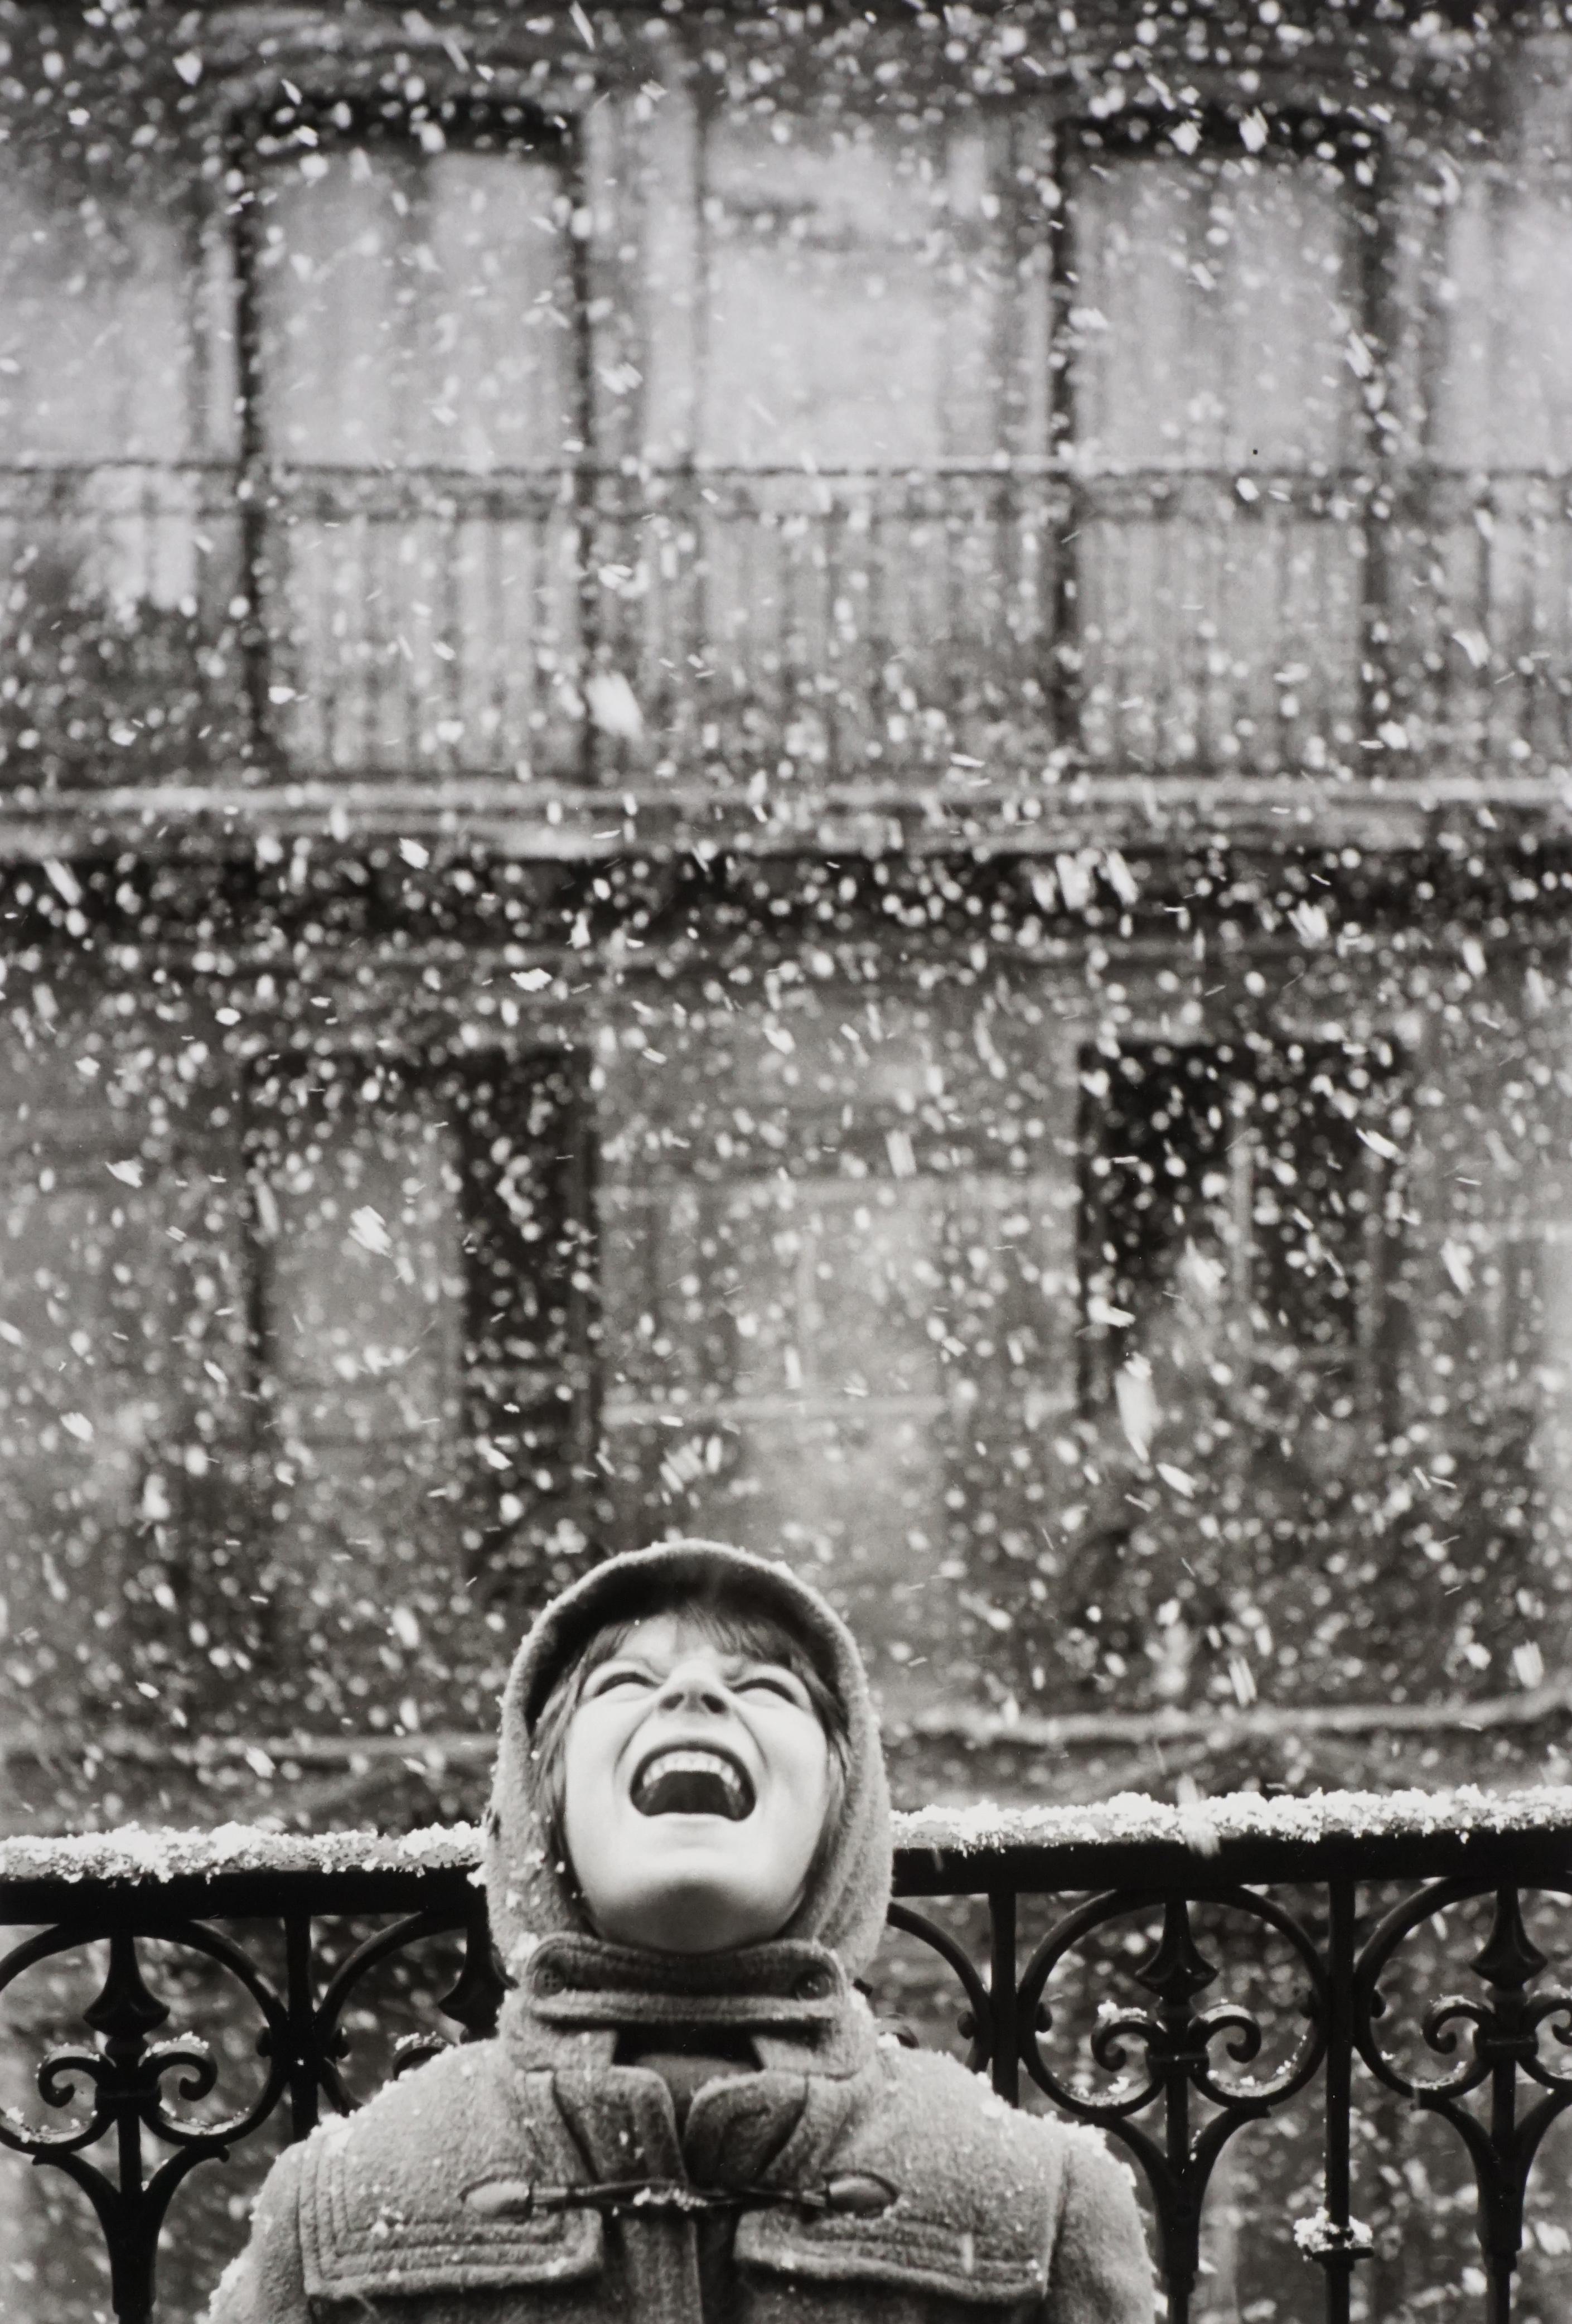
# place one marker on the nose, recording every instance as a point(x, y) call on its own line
point(692, 1687)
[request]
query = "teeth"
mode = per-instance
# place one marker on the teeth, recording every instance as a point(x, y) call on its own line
point(693, 1762)
point(688, 1779)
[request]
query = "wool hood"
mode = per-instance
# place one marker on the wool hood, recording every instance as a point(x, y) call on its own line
point(529, 1895)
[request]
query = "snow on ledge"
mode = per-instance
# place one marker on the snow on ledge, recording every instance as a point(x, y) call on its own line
point(1203, 1825)
point(136, 1854)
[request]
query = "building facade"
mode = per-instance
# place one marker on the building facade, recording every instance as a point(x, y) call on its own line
point(798, 773)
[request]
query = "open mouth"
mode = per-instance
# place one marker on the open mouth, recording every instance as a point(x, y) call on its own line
point(683, 1780)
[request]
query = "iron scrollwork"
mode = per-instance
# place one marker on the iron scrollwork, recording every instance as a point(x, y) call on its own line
point(1494, 2041)
point(122, 2083)
point(1178, 2041)
point(126, 2075)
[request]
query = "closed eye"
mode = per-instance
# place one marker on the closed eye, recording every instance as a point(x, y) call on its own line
point(616, 1678)
point(778, 1683)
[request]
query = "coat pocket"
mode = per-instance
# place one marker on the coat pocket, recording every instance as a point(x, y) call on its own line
point(414, 2215)
point(397, 2254)
point(904, 2252)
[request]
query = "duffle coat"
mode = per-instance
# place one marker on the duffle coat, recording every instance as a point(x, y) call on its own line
point(532, 2179)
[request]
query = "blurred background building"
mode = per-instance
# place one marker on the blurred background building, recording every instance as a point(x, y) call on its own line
point(801, 773)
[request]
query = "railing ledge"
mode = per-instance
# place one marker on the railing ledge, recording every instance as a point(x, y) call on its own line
point(1128, 1839)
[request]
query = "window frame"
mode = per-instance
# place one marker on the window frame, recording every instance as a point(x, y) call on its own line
point(459, 116)
point(1371, 1371)
point(1364, 155)
point(510, 1552)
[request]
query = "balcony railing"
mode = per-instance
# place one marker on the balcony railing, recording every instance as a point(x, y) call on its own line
point(1332, 1970)
point(586, 624)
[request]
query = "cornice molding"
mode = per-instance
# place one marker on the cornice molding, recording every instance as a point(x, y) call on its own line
point(1143, 813)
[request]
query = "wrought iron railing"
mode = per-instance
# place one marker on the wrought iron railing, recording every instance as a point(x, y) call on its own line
point(1332, 1970)
point(596, 624)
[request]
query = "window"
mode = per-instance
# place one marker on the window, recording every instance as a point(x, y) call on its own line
point(1211, 315)
point(415, 382)
point(421, 1312)
point(1235, 1244)
point(1501, 396)
point(414, 293)
point(1488, 572)
point(1238, 1356)
point(1212, 296)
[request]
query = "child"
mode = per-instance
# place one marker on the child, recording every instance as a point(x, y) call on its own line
point(688, 2114)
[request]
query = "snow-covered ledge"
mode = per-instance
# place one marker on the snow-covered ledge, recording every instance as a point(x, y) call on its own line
point(136, 1854)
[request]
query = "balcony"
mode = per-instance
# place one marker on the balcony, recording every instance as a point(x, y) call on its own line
point(1329, 2033)
point(376, 645)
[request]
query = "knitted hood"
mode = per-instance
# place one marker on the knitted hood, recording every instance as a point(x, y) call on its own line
point(528, 1895)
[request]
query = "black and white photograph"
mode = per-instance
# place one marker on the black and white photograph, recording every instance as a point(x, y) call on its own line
point(786, 1162)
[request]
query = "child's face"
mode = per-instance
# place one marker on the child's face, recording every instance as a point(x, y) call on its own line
point(695, 1785)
